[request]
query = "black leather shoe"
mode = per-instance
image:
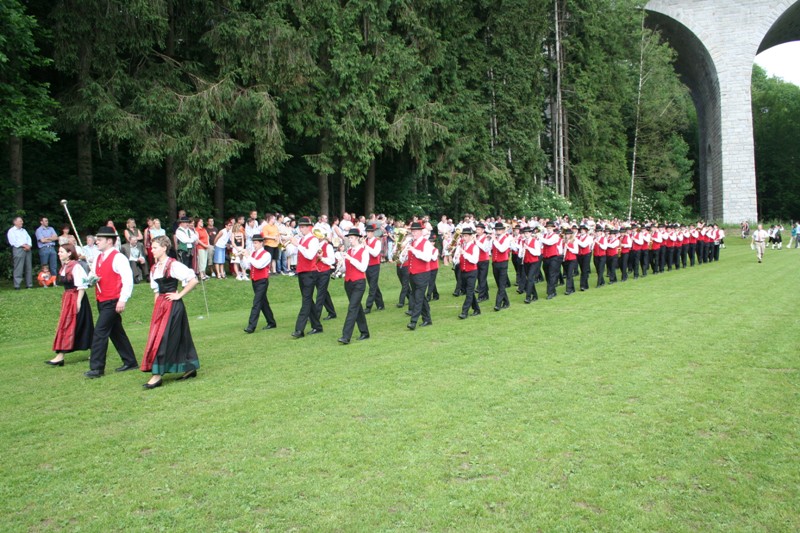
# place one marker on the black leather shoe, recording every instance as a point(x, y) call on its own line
point(298, 334)
point(248, 330)
point(329, 317)
point(457, 293)
point(399, 306)
point(153, 385)
point(535, 298)
point(367, 310)
point(364, 336)
point(314, 331)
point(380, 308)
point(412, 326)
point(435, 297)
point(426, 323)
point(125, 368)
point(528, 300)
point(496, 308)
point(462, 316)
point(551, 296)
point(270, 326)
point(92, 374)
point(188, 375)
point(57, 363)
point(568, 293)
point(342, 340)
point(408, 313)
point(505, 305)
point(483, 299)
point(476, 313)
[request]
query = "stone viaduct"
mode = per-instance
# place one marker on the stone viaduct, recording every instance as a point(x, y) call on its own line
point(717, 42)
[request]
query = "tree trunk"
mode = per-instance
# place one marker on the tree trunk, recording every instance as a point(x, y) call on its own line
point(638, 116)
point(324, 193)
point(219, 196)
point(172, 187)
point(369, 190)
point(15, 168)
point(85, 155)
point(342, 196)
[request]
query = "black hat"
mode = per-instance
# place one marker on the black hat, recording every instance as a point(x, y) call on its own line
point(599, 228)
point(467, 231)
point(480, 225)
point(257, 238)
point(550, 224)
point(568, 231)
point(106, 231)
point(527, 229)
point(537, 229)
point(432, 237)
point(304, 221)
point(371, 227)
point(415, 225)
point(583, 226)
point(184, 219)
point(353, 233)
point(612, 230)
point(499, 225)
point(516, 226)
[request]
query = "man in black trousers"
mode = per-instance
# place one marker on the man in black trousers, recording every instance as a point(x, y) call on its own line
point(259, 260)
point(375, 296)
point(307, 249)
point(419, 251)
point(114, 288)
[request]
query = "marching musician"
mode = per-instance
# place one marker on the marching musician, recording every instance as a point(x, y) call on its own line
point(683, 238)
point(307, 248)
point(636, 254)
point(585, 244)
point(626, 243)
point(259, 260)
point(612, 255)
point(501, 249)
point(552, 253)
point(325, 263)
point(373, 245)
point(693, 235)
point(484, 249)
point(645, 256)
point(468, 257)
point(419, 253)
point(599, 252)
point(402, 271)
point(532, 262)
point(571, 250)
point(658, 250)
point(517, 255)
point(356, 261)
point(433, 291)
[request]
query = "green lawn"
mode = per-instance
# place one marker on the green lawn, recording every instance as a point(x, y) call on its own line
point(670, 403)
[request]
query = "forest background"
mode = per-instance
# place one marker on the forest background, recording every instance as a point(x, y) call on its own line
point(135, 108)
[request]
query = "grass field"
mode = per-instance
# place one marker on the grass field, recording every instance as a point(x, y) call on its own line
point(671, 403)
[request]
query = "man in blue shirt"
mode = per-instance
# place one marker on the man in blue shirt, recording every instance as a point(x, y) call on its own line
point(47, 240)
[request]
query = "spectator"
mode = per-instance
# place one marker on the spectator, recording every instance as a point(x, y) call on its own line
point(212, 231)
point(201, 259)
point(134, 251)
point(46, 240)
point(45, 278)
point(90, 251)
point(220, 245)
point(186, 237)
point(132, 231)
point(20, 242)
point(64, 237)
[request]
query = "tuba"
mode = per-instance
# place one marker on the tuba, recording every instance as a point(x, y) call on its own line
point(454, 243)
point(400, 243)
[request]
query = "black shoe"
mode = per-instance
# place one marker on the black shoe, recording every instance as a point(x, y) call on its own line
point(314, 331)
point(568, 293)
point(551, 296)
point(457, 293)
point(58, 363)
point(92, 374)
point(426, 323)
point(435, 297)
point(298, 334)
point(381, 308)
point(462, 316)
point(364, 336)
point(342, 340)
point(399, 306)
point(408, 313)
point(535, 298)
point(582, 289)
point(412, 326)
point(496, 308)
point(188, 375)
point(528, 300)
point(519, 291)
point(483, 299)
point(505, 305)
point(367, 310)
point(476, 313)
point(248, 330)
point(329, 317)
point(153, 385)
point(270, 326)
point(125, 368)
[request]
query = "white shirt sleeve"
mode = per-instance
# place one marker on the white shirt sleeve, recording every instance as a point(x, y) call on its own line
point(328, 256)
point(502, 246)
point(470, 257)
point(311, 251)
point(362, 265)
point(79, 277)
point(122, 267)
point(266, 258)
point(425, 254)
point(376, 250)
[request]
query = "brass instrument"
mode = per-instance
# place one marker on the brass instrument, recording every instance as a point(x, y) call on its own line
point(400, 235)
point(454, 243)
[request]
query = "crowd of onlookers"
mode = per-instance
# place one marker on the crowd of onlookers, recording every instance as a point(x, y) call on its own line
point(216, 250)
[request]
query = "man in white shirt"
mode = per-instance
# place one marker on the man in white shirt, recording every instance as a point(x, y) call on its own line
point(20, 242)
point(759, 238)
point(186, 238)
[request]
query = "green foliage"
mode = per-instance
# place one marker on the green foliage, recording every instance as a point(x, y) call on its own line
point(776, 128)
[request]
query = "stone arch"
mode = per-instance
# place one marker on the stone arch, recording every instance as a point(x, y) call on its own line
point(716, 43)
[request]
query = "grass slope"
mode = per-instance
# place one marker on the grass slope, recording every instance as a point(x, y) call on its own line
point(669, 403)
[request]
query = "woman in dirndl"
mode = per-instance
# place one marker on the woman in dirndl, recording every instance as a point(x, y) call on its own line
point(170, 348)
point(75, 325)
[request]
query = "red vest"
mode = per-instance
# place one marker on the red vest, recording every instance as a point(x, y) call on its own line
point(303, 264)
point(434, 262)
point(327, 251)
point(110, 285)
point(415, 266)
point(482, 256)
point(658, 245)
point(599, 252)
point(625, 240)
point(465, 265)
point(497, 256)
point(259, 273)
point(550, 250)
point(351, 273)
point(569, 255)
point(376, 259)
point(529, 256)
